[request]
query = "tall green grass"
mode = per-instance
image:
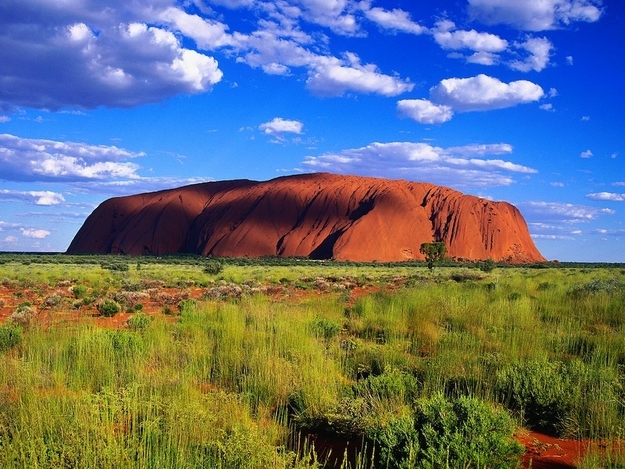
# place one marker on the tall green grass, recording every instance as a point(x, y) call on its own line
point(232, 383)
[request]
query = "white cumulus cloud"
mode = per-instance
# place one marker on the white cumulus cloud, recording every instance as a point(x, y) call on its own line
point(119, 57)
point(33, 233)
point(206, 33)
point(539, 52)
point(394, 20)
point(335, 78)
point(586, 154)
point(482, 92)
point(279, 126)
point(448, 37)
point(424, 111)
point(277, 51)
point(454, 166)
point(479, 93)
point(533, 15)
point(25, 159)
point(334, 14)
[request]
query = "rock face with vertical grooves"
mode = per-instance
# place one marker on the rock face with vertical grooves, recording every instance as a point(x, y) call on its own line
point(321, 216)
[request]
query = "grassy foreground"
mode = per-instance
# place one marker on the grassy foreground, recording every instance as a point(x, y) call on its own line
point(407, 368)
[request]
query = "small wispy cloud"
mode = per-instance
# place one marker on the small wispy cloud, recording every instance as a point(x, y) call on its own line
point(36, 197)
point(606, 196)
point(34, 233)
point(279, 126)
point(561, 212)
point(610, 232)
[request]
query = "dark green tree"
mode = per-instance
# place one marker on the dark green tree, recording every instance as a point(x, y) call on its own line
point(433, 252)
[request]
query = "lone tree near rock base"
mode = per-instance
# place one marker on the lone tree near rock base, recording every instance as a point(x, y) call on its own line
point(433, 252)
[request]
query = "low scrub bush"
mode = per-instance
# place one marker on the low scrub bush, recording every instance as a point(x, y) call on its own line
point(539, 391)
point(573, 399)
point(79, 291)
point(52, 300)
point(213, 267)
point(466, 276)
point(108, 308)
point(187, 306)
point(24, 314)
point(115, 267)
point(326, 328)
point(597, 285)
point(139, 322)
point(487, 266)
point(392, 385)
point(464, 433)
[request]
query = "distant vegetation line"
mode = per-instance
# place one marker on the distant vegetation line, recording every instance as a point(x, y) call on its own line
point(194, 259)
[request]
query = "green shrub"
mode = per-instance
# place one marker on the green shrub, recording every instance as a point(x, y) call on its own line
point(125, 343)
point(326, 328)
point(108, 308)
point(213, 267)
point(139, 322)
point(464, 433)
point(387, 417)
point(539, 391)
point(487, 266)
point(185, 306)
point(116, 266)
point(597, 285)
point(392, 384)
point(79, 291)
point(574, 399)
point(10, 336)
point(466, 276)
point(395, 441)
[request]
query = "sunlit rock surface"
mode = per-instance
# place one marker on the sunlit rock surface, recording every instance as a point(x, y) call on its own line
point(321, 216)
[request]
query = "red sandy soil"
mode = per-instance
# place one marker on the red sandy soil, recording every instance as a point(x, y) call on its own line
point(546, 452)
point(321, 216)
point(65, 312)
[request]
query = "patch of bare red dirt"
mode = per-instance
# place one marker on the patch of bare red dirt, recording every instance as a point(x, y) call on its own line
point(320, 216)
point(547, 452)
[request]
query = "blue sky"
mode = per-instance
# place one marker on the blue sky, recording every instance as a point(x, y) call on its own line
point(516, 100)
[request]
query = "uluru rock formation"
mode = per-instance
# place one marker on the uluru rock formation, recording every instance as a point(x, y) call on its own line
point(321, 216)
